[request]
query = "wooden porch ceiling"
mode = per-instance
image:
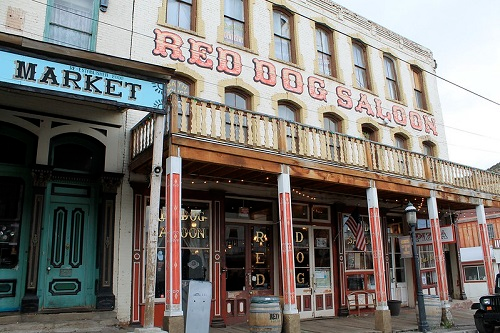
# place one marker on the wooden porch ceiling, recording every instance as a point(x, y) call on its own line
point(214, 162)
point(197, 170)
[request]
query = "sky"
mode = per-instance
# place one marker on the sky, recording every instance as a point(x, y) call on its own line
point(464, 37)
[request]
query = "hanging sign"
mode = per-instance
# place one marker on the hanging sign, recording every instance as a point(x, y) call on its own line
point(37, 74)
point(405, 247)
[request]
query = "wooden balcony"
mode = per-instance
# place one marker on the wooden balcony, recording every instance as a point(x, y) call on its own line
point(217, 124)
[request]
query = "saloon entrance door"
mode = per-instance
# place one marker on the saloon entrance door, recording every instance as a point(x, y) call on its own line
point(248, 268)
point(397, 271)
point(313, 271)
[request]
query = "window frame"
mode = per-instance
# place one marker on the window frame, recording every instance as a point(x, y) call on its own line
point(477, 267)
point(391, 79)
point(93, 34)
point(329, 52)
point(163, 15)
point(419, 95)
point(244, 22)
point(373, 136)
point(429, 148)
point(291, 45)
point(360, 68)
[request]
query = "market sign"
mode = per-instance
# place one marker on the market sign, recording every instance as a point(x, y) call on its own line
point(36, 74)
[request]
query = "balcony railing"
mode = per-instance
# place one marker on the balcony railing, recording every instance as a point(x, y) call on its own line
point(219, 123)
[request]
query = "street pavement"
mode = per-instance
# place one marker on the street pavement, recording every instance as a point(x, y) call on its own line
point(105, 322)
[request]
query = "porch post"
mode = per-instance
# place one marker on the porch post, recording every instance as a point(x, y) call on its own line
point(382, 314)
point(485, 245)
point(446, 317)
point(173, 320)
point(152, 226)
point(291, 317)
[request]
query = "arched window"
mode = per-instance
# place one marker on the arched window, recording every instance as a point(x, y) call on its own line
point(78, 153)
point(180, 86)
point(237, 99)
point(401, 141)
point(332, 123)
point(369, 132)
point(290, 112)
point(391, 78)
point(429, 148)
point(287, 111)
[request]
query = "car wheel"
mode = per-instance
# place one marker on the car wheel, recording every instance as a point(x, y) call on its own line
point(481, 326)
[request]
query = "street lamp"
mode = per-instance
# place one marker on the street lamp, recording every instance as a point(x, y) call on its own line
point(411, 218)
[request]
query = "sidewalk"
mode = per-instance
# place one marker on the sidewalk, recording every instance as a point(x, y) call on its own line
point(105, 322)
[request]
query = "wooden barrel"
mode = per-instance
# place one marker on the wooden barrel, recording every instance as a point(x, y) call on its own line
point(265, 314)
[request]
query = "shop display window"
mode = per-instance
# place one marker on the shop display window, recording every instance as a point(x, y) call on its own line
point(195, 246)
point(11, 193)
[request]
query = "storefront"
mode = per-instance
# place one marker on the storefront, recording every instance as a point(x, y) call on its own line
point(62, 122)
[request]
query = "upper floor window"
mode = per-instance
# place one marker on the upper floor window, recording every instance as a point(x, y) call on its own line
point(332, 123)
point(72, 23)
point(324, 50)
point(180, 13)
point(360, 65)
point(418, 88)
point(236, 99)
point(282, 28)
point(401, 141)
point(290, 113)
point(287, 112)
point(390, 78)
point(234, 22)
point(369, 133)
point(179, 86)
point(429, 148)
point(236, 121)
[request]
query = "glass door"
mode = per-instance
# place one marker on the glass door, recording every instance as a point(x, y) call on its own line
point(397, 271)
point(313, 271)
point(248, 268)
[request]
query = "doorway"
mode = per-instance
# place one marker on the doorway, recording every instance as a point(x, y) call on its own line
point(248, 268)
point(399, 290)
point(67, 263)
point(313, 271)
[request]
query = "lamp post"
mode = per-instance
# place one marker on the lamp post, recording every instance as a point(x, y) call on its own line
point(411, 219)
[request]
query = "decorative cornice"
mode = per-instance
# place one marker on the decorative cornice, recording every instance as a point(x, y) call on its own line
point(111, 181)
point(41, 175)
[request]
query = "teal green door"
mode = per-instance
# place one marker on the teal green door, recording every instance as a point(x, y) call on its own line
point(69, 256)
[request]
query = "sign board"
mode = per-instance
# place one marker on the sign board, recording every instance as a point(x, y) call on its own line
point(63, 79)
point(424, 236)
point(405, 247)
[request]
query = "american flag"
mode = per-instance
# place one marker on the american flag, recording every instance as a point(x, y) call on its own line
point(357, 229)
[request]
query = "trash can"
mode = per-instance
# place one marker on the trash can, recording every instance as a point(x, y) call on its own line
point(265, 314)
point(394, 306)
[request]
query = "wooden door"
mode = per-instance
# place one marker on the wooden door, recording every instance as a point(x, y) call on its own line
point(248, 268)
point(67, 262)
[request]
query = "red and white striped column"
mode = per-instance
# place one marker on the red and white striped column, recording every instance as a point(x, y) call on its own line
point(286, 241)
point(485, 245)
point(442, 283)
point(173, 292)
point(377, 249)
